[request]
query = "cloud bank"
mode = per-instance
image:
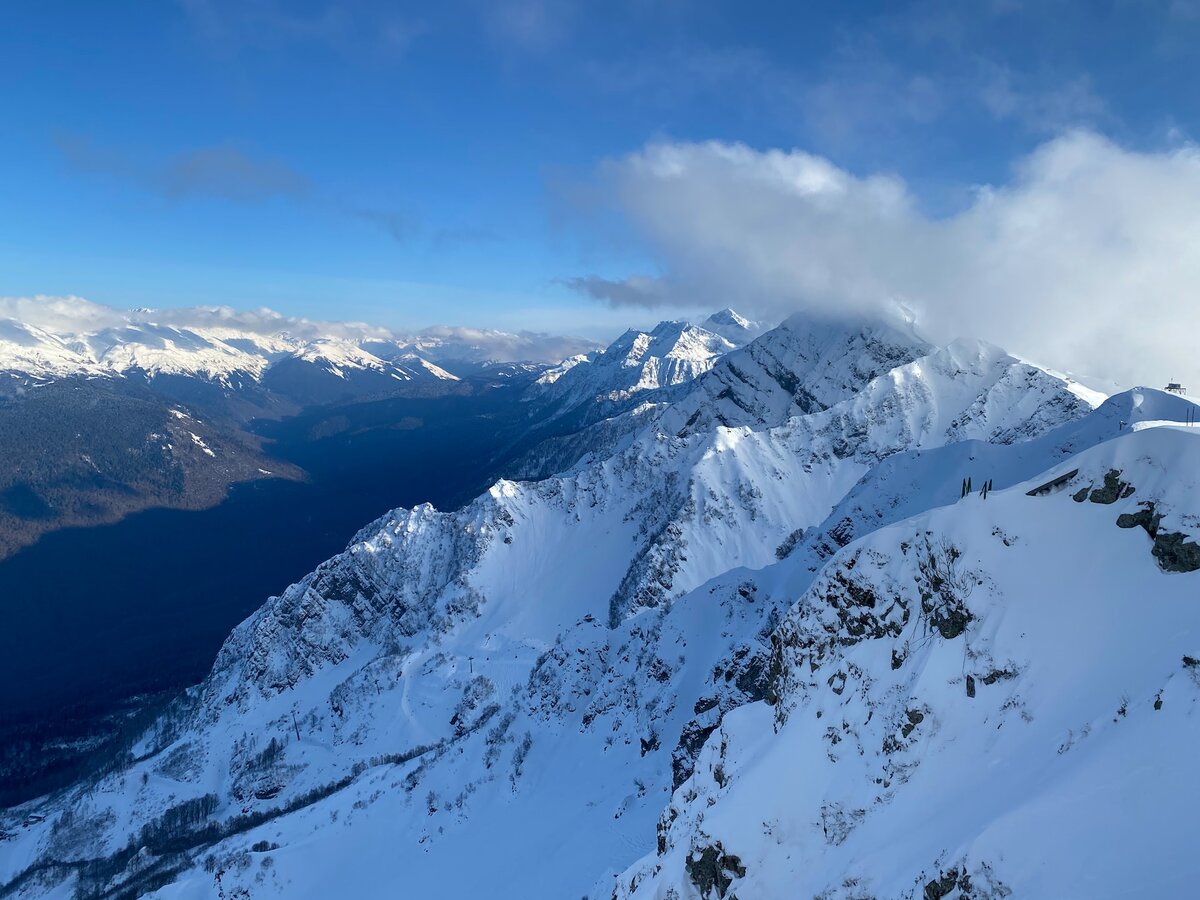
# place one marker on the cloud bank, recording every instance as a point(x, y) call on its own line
point(1087, 259)
point(77, 315)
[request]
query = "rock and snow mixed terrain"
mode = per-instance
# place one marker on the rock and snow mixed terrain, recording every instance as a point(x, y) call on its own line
point(759, 644)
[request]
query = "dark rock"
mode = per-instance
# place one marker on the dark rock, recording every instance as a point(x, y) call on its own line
point(999, 675)
point(714, 870)
point(704, 704)
point(1172, 549)
point(1113, 488)
point(1145, 518)
point(752, 679)
point(691, 739)
point(945, 884)
point(915, 717)
point(1174, 555)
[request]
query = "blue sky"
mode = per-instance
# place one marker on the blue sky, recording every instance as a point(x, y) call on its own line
point(415, 163)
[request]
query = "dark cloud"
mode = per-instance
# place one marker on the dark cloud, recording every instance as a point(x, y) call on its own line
point(637, 291)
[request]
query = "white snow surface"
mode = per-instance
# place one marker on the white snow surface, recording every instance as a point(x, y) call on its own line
point(658, 673)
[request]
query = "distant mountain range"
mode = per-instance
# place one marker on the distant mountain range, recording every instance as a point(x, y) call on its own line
point(235, 357)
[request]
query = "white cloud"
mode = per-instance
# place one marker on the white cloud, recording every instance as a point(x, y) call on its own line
point(455, 342)
point(77, 315)
point(1087, 259)
point(61, 315)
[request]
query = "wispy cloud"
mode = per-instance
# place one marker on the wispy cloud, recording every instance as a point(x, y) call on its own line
point(1063, 105)
point(223, 172)
point(232, 174)
point(357, 29)
point(529, 25)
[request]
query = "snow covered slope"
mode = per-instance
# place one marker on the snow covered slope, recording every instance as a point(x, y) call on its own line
point(996, 698)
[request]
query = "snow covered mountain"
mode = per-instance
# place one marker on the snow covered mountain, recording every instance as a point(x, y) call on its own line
point(763, 646)
point(591, 402)
point(637, 362)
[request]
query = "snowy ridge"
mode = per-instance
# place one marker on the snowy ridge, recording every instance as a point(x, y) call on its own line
point(566, 655)
point(802, 366)
point(776, 376)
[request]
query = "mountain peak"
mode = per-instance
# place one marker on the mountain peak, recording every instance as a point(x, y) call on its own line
point(672, 353)
point(733, 326)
